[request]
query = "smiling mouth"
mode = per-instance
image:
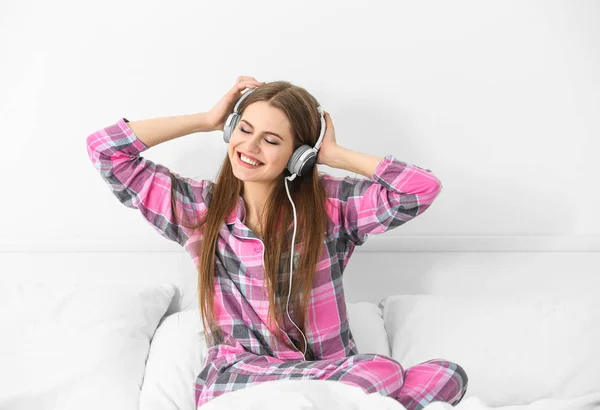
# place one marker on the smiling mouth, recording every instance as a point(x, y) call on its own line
point(239, 154)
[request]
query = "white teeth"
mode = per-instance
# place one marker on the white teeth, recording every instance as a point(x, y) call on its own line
point(248, 160)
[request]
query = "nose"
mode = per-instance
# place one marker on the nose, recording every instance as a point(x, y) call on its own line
point(253, 145)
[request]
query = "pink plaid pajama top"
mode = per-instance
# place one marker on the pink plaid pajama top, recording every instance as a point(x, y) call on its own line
point(396, 193)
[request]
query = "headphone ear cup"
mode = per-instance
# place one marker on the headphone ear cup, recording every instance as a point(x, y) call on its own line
point(308, 163)
point(302, 160)
point(230, 125)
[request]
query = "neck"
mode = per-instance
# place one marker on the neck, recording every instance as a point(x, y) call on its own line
point(254, 195)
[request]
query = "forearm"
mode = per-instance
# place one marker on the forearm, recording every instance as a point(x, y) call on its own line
point(353, 161)
point(157, 130)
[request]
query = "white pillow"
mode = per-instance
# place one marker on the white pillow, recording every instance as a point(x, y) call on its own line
point(514, 351)
point(176, 357)
point(178, 350)
point(76, 346)
point(367, 327)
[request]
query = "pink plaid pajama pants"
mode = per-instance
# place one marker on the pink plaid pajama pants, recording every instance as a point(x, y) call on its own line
point(414, 387)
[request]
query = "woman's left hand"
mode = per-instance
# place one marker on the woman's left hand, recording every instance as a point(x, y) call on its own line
point(329, 143)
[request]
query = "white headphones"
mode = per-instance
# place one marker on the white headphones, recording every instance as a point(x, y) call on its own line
point(300, 163)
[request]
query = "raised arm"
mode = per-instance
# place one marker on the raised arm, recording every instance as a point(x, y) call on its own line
point(395, 193)
point(140, 183)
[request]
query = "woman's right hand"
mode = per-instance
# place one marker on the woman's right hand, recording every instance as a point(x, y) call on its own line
point(219, 113)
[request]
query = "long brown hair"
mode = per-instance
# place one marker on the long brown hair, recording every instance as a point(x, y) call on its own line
point(309, 199)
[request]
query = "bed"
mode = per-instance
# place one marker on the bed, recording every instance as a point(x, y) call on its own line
point(115, 345)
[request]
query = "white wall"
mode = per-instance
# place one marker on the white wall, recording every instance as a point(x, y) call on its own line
point(498, 99)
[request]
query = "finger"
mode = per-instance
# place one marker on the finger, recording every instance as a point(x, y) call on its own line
point(243, 85)
point(246, 84)
point(245, 78)
point(240, 86)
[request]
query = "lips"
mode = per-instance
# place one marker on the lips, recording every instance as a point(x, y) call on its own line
point(251, 157)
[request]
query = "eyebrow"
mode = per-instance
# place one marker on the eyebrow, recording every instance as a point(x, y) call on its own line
point(265, 132)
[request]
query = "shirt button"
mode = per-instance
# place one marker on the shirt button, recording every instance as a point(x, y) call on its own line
point(257, 249)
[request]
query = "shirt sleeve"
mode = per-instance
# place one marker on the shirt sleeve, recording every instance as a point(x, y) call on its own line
point(141, 184)
point(396, 193)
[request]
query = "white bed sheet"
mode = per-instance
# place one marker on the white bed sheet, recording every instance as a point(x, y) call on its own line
point(329, 395)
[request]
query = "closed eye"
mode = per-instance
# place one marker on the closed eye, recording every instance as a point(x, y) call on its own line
point(248, 132)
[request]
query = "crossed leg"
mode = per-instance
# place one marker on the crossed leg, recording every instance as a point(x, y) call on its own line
point(414, 388)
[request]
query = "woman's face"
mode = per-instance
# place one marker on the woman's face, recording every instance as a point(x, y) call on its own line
point(254, 137)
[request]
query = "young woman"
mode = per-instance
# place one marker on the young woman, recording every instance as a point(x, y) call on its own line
point(239, 230)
